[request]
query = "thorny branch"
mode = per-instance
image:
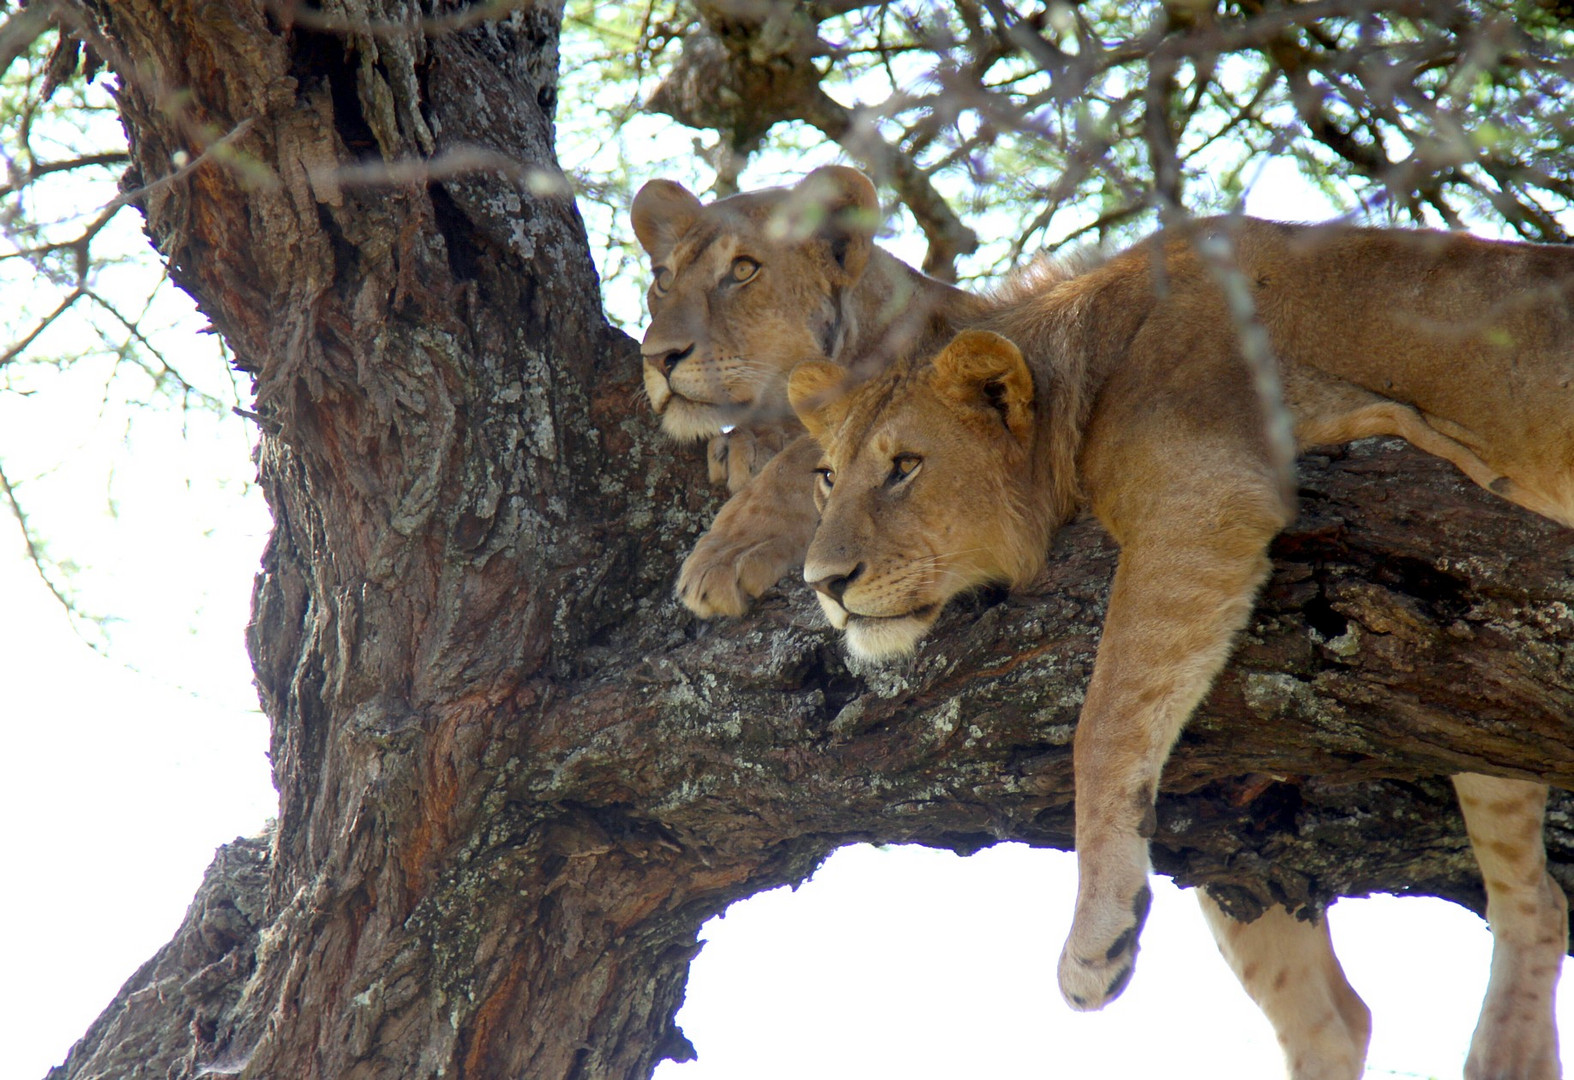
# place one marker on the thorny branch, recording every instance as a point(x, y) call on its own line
point(1437, 111)
point(35, 555)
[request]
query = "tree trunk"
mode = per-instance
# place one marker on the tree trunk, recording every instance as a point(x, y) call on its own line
point(514, 776)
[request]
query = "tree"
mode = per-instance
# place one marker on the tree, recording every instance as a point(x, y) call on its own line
point(513, 777)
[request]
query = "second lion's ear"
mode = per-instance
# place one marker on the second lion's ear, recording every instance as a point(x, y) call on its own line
point(662, 212)
point(984, 370)
point(818, 393)
point(842, 210)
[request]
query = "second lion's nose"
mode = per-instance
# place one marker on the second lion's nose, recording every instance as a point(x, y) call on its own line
point(665, 360)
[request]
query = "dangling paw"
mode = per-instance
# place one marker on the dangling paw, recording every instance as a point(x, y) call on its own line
point(1101, 952)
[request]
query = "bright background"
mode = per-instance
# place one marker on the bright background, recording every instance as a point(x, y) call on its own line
point(126, 765)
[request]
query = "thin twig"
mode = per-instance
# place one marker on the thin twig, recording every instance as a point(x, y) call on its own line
point(17, 349)
point(115, 157)
point(36, 557)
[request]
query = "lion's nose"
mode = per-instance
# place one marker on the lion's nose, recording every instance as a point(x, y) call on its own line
point(667, 359)
point(834, 585)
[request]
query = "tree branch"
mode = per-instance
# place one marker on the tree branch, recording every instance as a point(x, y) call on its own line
point(20, 346)
point(33, 172)
point(18, 33)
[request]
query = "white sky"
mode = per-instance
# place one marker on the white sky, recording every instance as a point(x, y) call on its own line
point(120, 781)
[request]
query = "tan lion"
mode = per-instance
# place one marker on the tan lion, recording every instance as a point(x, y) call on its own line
point(1287, 965)
point(742, 290)
point(1130, 396)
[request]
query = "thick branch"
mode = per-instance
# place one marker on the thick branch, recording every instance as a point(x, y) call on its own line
point(164, 1020)
point(1415, 626)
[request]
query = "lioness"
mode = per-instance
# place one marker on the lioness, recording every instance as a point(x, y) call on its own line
point(1133, 399)
point(764, 529)
point(741, 290)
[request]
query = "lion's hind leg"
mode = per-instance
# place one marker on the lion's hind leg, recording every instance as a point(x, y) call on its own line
point(1380, 416)
point(1332, 413)
point(1288, 967)
point(1516, 1037)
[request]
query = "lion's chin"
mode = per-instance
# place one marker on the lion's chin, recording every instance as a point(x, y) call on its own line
point(683, 420)
point(875, 637)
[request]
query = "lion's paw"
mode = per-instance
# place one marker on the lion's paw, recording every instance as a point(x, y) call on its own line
point(708, 585)
point(1101, 952)
point(735, 457)
point(1503, 1059)
point(723, 576)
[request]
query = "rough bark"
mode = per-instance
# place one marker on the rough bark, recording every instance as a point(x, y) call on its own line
point(514, 778)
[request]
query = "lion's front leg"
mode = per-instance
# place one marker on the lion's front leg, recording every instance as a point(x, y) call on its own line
point(1176, 604)
point(760, 534)
point(735, 457)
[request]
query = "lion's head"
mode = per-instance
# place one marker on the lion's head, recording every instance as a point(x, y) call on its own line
point(925, 488)
point(744, 289)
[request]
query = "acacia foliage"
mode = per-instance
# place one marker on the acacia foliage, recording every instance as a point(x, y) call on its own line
point(998, 129)
point(1003, 128)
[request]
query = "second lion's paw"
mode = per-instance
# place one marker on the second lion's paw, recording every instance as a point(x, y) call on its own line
point(721, 577)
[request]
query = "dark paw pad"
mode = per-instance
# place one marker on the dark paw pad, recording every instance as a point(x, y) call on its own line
point(1121, 943)
point(1118, 983)
point(1141, 904)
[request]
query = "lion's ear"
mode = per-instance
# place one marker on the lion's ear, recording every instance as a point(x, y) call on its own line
point(840, 208)
point(818, 393)
point(982, 369)
point(662, 211)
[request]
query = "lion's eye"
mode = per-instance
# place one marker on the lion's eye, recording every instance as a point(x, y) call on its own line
point(903, 466)
point(827, 476)
point(743, 268)
point(663, 280)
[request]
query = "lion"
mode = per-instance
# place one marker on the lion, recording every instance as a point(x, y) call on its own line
point(1127, 390)
point(742, 290)
point(764, 529)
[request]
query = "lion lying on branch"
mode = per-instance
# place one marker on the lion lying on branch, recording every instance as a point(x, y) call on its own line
point(1129, 389)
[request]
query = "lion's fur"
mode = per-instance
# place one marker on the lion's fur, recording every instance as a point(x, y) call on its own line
point(1124, 387)
point(822, 290)
point(1463, 346)
point(1127, 389)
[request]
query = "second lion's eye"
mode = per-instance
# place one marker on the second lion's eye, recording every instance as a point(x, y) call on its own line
point(903, 466)
point(743, 268)
point(663, 279)
point(827, 476)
